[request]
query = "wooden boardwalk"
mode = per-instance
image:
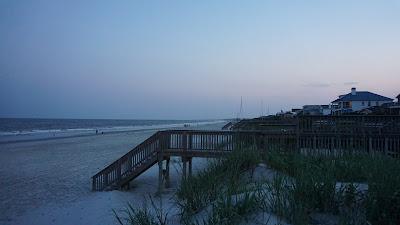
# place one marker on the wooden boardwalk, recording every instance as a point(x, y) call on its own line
point(311, 135)
point(161, 146)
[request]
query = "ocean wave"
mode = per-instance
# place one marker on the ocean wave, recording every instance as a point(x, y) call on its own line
point(109, 129)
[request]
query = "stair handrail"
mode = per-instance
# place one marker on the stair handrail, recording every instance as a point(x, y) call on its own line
point(123, 158)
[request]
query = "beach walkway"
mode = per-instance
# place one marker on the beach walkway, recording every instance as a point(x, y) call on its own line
point(159, 148)
point(185, 144)
point(309, 137)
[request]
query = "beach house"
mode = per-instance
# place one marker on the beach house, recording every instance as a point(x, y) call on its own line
point(316, 110)
point(358, 100)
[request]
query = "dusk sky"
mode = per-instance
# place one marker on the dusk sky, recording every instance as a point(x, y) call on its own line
point(191, 59)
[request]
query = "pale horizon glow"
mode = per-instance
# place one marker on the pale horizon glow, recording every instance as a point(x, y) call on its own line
point(192, 60)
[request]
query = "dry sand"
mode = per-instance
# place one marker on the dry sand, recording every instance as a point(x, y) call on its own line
point(48, 182)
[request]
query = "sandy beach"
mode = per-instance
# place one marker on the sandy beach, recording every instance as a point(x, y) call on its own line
point(48, 182)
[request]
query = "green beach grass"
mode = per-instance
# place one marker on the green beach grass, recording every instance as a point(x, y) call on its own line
point(222, 193)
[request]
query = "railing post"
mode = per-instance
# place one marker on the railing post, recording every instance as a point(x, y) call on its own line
point(386, 146)
point(167, 140)
point(190, 141)
point(184, 140)
point(119, 170)
point(370, 145)
point(105, 180)
point(184, 157)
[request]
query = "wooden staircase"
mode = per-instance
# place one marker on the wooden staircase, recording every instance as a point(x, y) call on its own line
point(129, 166)
point(162, 145)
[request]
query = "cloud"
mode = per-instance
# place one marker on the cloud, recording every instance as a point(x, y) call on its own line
point(350, 83)
point(318, 85)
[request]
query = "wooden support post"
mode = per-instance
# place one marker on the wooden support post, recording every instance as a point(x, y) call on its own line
point(190, 167)
point(160, 176)
point(160, 170)
point(184, 167)
point(167, 180)
point(190, 142)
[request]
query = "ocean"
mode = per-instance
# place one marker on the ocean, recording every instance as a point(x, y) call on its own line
point(15, 130)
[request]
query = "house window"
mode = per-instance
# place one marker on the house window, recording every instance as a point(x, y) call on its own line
point(369, 103)
point(346, 105)
point(362, 103)
point(377, 103)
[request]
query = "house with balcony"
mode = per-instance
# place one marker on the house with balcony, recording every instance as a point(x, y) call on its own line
point(358, 100)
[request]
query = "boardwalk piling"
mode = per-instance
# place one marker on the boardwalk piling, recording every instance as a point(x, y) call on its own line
point(184, 167)
point(160, 176)
point(166, 176)
point(190, 167)
point(160, 171)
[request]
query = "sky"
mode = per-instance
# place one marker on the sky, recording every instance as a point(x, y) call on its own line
point(192, 59)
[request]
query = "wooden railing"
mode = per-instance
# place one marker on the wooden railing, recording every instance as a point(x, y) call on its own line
point(121, 168)
point(190, 143)
point(177, 142)
point(350, 124)
point(331, 124)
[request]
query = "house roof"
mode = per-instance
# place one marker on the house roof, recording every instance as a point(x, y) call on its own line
point(398, 96)
point(362, 96)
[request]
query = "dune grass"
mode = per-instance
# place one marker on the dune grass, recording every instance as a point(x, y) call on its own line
point(215, 185)
point(305, 184)
point(143, 215)
point(228, 210)
point(314, 179)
